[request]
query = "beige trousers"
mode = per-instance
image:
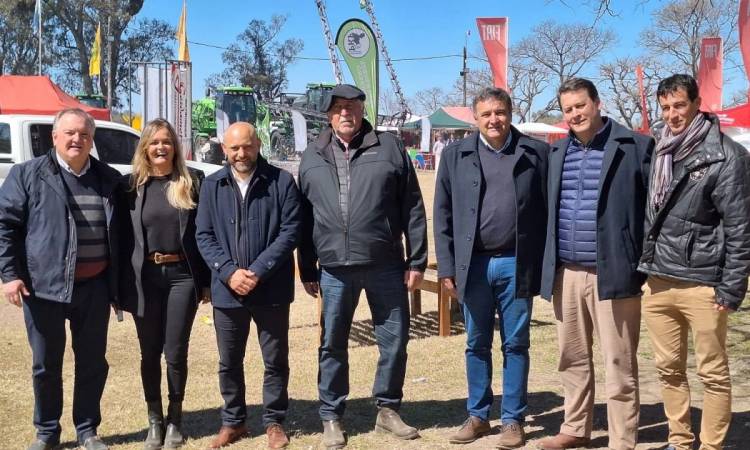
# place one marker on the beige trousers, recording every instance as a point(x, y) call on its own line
point(579, 314)
point(671, 309)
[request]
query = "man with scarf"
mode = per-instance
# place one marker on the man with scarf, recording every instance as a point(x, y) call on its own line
point(697, 257)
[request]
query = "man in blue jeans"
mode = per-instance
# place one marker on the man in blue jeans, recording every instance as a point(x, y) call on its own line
point(360, 197)
point(489, 220)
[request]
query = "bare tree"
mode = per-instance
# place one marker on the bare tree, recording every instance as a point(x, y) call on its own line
point(476, 80)
point(526, 83)
point(678, 27)
point(621, 94)
point(564, 49)
point(427, 101)
point(388, 103)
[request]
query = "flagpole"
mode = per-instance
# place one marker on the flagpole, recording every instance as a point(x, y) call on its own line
point(39, 4)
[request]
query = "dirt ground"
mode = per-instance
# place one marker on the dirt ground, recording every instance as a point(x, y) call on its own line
point(434, 393)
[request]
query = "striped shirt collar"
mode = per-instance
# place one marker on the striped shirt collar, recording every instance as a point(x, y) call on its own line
point(68, 169)
point(502, 149)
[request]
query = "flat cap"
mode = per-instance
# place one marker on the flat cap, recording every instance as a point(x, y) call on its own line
point(346, 91)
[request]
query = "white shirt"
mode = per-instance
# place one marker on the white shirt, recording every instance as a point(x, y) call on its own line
point(243, 184)
point(68, 169)
point(497, 150)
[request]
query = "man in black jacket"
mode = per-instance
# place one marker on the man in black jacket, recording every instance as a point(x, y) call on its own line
point(697, 257)
point(360, 196)
point(598, 178)
point(58, 257)
point(490, 220)
point(247, 227)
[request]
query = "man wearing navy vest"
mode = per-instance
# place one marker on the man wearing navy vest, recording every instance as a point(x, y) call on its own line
point(489, 224)
point(598, 181)
point(58, 257)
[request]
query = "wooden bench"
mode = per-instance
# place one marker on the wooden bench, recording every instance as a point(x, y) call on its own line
point(431, 283)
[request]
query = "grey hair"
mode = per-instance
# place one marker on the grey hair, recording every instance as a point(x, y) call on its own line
point(90, 124)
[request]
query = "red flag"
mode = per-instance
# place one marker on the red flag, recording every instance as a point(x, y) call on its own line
point(710, 80)
point(645, 128)
point(744, 27)
point(494, 35)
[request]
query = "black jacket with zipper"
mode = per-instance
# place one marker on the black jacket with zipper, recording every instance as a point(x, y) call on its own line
point(702, 231)
point(132, 244)
point(385, 203)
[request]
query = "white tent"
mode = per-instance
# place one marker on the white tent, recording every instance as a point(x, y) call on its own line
point(538, 128)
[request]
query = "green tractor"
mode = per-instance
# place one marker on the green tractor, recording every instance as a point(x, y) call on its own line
point(226, 106)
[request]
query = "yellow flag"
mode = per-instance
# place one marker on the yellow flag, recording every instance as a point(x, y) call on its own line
point(183, 53)
point(95, 63)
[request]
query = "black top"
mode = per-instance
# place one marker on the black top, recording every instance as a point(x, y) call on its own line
point(161, 221)
point(496, 229)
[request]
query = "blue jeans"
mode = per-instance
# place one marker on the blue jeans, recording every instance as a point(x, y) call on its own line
point(490, 288)
point(387, 298)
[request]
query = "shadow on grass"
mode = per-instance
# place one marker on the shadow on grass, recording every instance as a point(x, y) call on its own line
point(421, 326)
point(652, 425)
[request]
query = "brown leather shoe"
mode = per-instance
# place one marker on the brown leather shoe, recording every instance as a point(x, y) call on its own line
point(228, 435)
point(388, 421)
point(511, 436)
point(276, 436)
point(563, 441)
point(471, 430)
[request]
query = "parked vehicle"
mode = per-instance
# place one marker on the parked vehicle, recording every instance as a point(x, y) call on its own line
point(23, 137)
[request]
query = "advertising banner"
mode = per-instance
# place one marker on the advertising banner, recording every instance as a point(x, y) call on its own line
point(645, 127)
point(494, 35)
point(710, 80)
point(359, 48)
point(180, 113)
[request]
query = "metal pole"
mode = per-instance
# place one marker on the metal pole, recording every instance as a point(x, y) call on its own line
point(40, 38)
point(110, 38)
point(463, 73)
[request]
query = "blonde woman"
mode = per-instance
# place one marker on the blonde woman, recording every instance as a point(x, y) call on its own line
point(167, 277)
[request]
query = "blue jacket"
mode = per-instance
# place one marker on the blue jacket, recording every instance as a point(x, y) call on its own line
point(579, 191)
point(38, 237)
point(620, 213)
point(258, 233)
point(456, 209)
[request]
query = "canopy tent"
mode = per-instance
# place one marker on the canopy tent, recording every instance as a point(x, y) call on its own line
point(739, 116)
point(448, 117)
point(39, 95)
point(539, 128)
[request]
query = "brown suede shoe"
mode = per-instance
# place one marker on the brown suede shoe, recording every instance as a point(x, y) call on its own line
point(228, 435)
point(388, 421)
point(276, 436)
point(563, 441)
point(471, 430)
point(511, 436)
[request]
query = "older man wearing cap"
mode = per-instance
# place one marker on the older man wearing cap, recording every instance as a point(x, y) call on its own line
point(360, 197)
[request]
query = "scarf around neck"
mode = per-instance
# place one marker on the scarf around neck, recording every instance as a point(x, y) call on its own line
point(673, 148)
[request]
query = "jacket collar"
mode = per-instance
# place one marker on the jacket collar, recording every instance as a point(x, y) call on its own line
point(50, 171)
point(261, 171)
point(710, 150)
point(366, 138)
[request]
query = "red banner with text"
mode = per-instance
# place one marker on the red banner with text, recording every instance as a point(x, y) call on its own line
point(645, 128)
point(710, 79)
point(494, 35)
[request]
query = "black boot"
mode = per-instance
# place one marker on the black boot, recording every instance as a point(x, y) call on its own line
point(155, 435)
point(173, 437)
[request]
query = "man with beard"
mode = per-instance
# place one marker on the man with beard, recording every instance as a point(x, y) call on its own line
point(360, 198)
point(697, 257)
point(247, 228)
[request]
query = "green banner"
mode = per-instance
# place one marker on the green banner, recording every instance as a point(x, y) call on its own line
point(357, 44)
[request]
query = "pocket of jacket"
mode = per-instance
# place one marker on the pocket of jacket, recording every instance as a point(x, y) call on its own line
point(689, 248)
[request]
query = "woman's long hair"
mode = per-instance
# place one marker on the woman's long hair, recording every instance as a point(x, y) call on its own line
point(180, 186)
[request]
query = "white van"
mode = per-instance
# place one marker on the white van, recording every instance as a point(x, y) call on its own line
point(23, 137)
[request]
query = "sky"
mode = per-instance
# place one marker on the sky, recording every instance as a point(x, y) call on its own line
point(410, 28)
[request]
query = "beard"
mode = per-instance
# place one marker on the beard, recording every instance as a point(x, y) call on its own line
point(244, 166)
